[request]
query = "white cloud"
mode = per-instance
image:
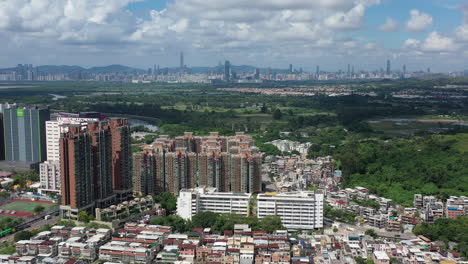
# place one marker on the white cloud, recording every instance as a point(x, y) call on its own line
point(350, 19)
point(370, 46)
point(257, 32)
point(462, 32)
point(438, 43)
point(389, 26)
point(419, 21)
point(66, 20)
point(411, 44)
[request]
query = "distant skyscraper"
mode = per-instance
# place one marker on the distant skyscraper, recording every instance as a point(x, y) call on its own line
point(24, 129)
point(389, 70)
point(257, 73)
point(290, 68)
point(181, 62)
point(404, 69)
point(349, 70)
point(428, 70)
point(317, 70)
point(227, 71)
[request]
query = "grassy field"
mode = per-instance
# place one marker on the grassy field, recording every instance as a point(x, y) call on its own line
point(25, 206)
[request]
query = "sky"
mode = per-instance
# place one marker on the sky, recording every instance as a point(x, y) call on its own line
point(262, 33)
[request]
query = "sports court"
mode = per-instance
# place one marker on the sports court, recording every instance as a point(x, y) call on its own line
point(23, 207)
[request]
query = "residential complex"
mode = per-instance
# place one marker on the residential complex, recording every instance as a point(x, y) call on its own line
point(297, 210)
point(202, 199)
point(230, 164)
point(89, 157)
point(145, 244)
point(49, 171)
point(24, 136)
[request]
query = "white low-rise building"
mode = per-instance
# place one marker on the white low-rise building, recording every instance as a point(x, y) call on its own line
point(202, 199)
point(297, 210)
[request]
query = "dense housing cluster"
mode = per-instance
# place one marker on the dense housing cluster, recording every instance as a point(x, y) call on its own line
point(230, 164)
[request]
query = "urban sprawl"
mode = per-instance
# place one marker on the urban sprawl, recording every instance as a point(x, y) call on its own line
point(87, 160)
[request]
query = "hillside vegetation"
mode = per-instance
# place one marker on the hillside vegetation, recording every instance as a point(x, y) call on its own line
point(431, 165)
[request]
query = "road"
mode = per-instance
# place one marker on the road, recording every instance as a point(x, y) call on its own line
point(35, 225)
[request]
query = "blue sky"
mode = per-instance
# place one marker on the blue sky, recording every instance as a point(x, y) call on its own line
point(306, 33)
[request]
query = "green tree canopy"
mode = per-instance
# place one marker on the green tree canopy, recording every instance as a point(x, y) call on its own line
point(39, 209)
point(205, 219)
point(23, 235)
point(277, 114)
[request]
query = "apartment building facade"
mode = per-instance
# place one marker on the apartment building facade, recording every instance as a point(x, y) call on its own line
point(297, 210)
point(88, 176)
point(49, 171)
point(230, 164)
point(203, 199)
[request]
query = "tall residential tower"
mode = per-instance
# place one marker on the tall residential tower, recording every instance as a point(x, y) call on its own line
point(95, 166)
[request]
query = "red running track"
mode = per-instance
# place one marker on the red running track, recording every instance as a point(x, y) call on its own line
point(21, 213)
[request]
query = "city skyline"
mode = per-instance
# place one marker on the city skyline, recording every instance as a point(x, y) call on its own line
point(181, 67)
point(266, 34)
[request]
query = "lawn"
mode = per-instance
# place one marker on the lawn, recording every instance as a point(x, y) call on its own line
point(25, 206)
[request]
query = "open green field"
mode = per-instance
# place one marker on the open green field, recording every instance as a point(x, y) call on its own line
point(25, 206)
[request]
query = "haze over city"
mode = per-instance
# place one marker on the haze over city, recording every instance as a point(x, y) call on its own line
point(274, 34)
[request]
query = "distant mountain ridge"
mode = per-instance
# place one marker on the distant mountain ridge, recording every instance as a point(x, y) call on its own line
point(116, 68)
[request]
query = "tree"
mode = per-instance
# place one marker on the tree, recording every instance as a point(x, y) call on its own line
point(271, 223)
point(23, 177)
point(277, 114)
point(167, 201)
point(176, 222)
point(84, 217)
point(67, 223)
point(264, 109)
point(39, 209)
point(361, 260)
point(295, 152)
point(269, 149)
point(23, 235)
point(205, 219)
point(4, 195)
point(371, 232)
